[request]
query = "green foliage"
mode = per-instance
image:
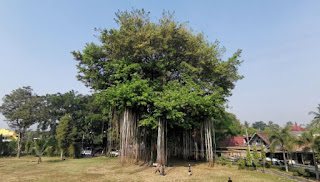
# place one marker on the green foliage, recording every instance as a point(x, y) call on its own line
point(2, 146)
point(315, 123)
point(306, 174)
point(223, 160)
point(248, 158)
point(235, 128)
point(281, 138)
point(11, 148)
point(20, 108)
point(301, 171)
point(66, 134)
point(296, 174)
point(309, 141)
point(160, 69)
point(74, 151)
point(289, 124)
point(259, 125)
point(40, 145)
point(263, 154)
point(268, 164)
point(29, 147)
point(241, 163)
point(272, 126)
point(251, 131)
point(53, 148)
point(255, 157)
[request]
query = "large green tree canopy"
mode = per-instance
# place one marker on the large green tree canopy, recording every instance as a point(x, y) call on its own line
point(161, 69)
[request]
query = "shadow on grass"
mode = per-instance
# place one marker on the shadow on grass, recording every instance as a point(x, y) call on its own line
point(55, 161)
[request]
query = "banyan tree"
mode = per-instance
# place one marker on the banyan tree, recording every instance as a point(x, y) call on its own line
point(165, 87)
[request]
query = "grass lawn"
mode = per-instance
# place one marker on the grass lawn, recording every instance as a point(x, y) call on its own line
point(109, 169)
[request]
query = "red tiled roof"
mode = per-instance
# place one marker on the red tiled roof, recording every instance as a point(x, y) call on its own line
point(233, 141)
point(297, 128)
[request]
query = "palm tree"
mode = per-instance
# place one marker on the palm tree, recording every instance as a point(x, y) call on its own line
point(310, 143)
point(40, 146)
point(283, 139)
point(316, 119)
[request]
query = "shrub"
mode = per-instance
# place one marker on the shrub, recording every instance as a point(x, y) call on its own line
point(49, 151)
point(12, 148)
point(301, 171)
point(306, 174)
point(241, 164)
point(295, 174)
point(267, 165)
point(223, 160)
point(73, 151)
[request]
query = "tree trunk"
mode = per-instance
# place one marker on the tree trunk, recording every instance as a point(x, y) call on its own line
point(39, 159)
point(202, 141)
point(214, 146)
point(151, 152)
point(196, 149)
point(160, 144)
point(208, 140)
point(19, 145)
point(137, 153)
point(124, 135)
point(61, 154)
point(285, 160)
point(315, 165)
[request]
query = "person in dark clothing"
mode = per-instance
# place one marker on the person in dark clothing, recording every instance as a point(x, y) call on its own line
point(162, 170)
point(229, 180)
point(189, 170)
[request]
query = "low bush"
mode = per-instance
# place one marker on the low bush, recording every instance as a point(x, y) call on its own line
point(223, 160)
point(306, 174)
point(267, 165)
point(295, 174)
point(301, 171)
point(241, 164)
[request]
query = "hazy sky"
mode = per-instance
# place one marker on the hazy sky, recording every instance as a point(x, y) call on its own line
point(280, 42)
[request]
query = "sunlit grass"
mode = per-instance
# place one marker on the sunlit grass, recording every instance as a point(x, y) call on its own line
point(109, 169)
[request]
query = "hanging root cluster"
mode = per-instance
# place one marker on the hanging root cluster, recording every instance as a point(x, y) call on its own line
point(145, 144)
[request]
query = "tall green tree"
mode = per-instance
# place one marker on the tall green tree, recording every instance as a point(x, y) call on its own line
point(66, 134)
point(289, 124)
point(309, 142)
point(263, 156)
point(255, 157)
point(282, 140)
point(58, 105)
point(259, 125)
point(21, 109)
point(248, 158)
point(273, 126)
point(151, 71)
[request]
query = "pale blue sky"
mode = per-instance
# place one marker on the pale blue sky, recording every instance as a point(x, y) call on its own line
point(280, 42)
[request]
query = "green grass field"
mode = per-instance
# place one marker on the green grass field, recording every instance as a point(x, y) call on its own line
point(109, 169)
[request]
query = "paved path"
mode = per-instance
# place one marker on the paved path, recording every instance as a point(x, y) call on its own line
point(282, 174)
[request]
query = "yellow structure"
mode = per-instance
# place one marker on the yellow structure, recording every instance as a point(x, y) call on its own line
point(8, 135)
